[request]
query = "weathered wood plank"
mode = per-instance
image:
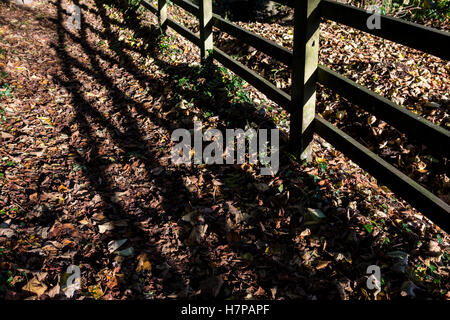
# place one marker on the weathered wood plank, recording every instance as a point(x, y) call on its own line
point(304, 76)
point(148, 5)
point(410, 34)
point(430, 205)
point(185, 32)
point(429, 134)
point(162, 14)
point(206, 31)
point(266, 87)
point(182, 30)
point(267, 46)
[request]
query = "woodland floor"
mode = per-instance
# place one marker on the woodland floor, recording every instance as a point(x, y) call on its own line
point(85, 123)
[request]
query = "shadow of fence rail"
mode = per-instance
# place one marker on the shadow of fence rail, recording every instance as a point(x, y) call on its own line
point(306, 72)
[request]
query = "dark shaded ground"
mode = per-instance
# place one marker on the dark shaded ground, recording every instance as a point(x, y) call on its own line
point(86, 145)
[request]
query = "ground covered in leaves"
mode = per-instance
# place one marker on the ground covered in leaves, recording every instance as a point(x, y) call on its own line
point(86, 178)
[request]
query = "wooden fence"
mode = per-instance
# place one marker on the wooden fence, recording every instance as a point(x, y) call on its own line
point(306, 72)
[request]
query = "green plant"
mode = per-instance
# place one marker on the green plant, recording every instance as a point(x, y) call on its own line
point(165, 46)
point(77, 167)
point(323, 166)
point(5, 90)
point(438, 10)
point(368, 227)
point(418, 10)
point(184, 82)
point(206, 94)
point(209, 114)
point(407, 229)
point(132, 7)
point(10, 163)
point(2, 115)
point(446, 257)
point(235, 88)
point(14, 210)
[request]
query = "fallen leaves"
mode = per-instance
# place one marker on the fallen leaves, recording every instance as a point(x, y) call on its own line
point(313, 216)
point(85, 176)
point(95, 291)
point(102, 228)
point(63, 230)
point(322, 264)
point(7, 232)
point(35, 286)
point(238, 216)
point(212, 286)
point(144, 263)
point(114, 245)
point(197, 234)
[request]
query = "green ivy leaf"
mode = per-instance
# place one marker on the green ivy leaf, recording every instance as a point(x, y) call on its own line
point(368, 227)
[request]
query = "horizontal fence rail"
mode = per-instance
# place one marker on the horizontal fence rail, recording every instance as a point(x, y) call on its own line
point(185, 32)
point(182, 30)
point(410, 34)
point(429, 134)
point(148, 5)
point(437, 210)
point(416, 36)
point(270, 90)
point(267, 46)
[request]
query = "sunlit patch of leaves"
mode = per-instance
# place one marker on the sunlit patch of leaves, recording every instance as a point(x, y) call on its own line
point(166, 46)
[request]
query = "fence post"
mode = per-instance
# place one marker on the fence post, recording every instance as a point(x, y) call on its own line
point(304, 76)
point(206, 34)
point(162, 15)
